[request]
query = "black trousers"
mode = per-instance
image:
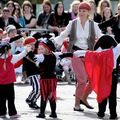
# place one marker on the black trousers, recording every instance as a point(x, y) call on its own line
point(7, 94)
point(112, 98)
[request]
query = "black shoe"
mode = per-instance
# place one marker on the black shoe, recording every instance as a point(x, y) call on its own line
point(80, 109)
point(88, 106)
point(34, 105)
point(53, 115)
point(28, 101)
point(100, 115)
point(114, 117)
point(41, 115)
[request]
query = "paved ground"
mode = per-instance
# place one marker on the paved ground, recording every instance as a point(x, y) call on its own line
point(65, 104)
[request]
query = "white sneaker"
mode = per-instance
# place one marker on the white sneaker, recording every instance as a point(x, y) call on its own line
point(2, 116)
point(14, 116)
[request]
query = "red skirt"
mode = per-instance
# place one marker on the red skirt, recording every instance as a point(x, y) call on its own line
point(48, 89)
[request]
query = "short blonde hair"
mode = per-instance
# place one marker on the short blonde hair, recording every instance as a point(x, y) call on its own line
point(74, 3)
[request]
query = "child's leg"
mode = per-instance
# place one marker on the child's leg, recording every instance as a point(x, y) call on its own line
point(42, 108)
point(53, 106)
point(102, 108)
point(3, 109)
point(35, 93)
point(11, 100)
point(44, 98)
point(52, 97)
point(112, 98)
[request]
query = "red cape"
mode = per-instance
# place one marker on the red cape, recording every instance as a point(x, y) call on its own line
point(99, 67)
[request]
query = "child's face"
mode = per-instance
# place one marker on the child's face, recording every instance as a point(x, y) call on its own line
point(12, 33)
point(41, 49)
point(32, 46)
point(19, 43)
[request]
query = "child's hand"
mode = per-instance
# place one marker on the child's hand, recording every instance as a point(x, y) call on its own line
point(109, 30)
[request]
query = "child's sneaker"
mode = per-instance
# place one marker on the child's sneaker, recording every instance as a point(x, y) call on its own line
point(14, 116)
point(41, 115)
point(53, 115)
point(28, 101)
point(34, 105)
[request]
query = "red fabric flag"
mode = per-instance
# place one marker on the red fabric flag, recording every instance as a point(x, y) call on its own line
point(99, 67)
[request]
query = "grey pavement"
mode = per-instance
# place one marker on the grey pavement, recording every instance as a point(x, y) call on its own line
point(65, 104)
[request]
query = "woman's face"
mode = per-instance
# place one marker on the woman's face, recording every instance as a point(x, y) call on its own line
point(75, 8)
point(83, 13)
point(104, 5)
point(92, 5)
point(17, 10)
point(11, 7)
point(107, 13)
point(60, 9)
point(46, 8)
point(27, 9)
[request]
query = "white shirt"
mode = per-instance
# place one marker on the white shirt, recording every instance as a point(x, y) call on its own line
point(81, 34)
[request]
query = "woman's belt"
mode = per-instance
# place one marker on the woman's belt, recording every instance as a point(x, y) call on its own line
point(77, 48)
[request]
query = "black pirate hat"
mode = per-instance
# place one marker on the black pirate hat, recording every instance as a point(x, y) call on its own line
point(105, 42)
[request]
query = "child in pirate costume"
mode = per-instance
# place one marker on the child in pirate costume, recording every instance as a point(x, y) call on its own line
point(32, 73)
point(7, 79)
point(46, 61)
point(106, 42)
point(101, 70)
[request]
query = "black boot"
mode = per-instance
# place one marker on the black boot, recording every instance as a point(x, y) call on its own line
point(53, 109)
point(42, 109)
